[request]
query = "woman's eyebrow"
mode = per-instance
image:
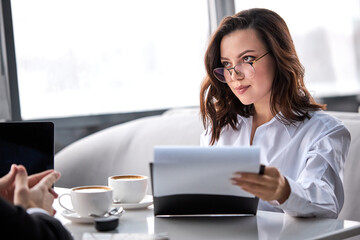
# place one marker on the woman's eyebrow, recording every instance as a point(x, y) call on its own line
point(239, 55)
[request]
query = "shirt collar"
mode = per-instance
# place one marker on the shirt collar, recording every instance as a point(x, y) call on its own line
point(246, 120)
point(289, 128)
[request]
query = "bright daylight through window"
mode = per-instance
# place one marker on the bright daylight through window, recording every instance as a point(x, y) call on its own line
point(83, 57)
point(326, 38)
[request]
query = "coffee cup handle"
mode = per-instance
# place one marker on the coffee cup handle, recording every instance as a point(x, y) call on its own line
point(62, 205)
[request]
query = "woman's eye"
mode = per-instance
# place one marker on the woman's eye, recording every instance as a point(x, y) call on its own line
point(226, 64)
point(248, 58)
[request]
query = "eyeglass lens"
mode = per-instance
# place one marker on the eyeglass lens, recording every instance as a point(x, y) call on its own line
point(241, 69)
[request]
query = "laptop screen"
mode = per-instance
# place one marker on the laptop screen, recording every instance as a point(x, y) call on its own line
point(27, 143)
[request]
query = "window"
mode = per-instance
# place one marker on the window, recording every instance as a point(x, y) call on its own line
point(326, 38)
point(84, 57)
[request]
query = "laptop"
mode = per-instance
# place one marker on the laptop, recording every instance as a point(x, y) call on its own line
point(195, 181)
point(28, 143)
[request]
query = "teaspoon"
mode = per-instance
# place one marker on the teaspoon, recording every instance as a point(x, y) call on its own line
point(116, 211)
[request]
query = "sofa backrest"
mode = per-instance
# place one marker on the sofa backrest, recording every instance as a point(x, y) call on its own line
point(351, 208)
point(125, 148)
point(128, 148)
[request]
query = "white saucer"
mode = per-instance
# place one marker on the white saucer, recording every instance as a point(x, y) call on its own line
point(74, 217)
point(147, 201)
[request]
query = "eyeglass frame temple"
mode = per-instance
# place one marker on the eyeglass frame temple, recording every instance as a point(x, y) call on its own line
point(252, 62)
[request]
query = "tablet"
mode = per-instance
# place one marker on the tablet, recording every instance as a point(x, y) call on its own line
point(195, 181)
point(28, 143)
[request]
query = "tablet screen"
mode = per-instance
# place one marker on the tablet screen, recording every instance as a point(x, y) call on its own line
point(28, 143)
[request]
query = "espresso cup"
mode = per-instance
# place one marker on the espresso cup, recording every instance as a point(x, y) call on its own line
point(128, 188)
point(88, 200)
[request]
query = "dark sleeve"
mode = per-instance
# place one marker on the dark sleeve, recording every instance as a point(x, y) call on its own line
point(18, 224)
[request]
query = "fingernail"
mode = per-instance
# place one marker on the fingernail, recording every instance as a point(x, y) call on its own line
point(237, 175)
point(233, 182)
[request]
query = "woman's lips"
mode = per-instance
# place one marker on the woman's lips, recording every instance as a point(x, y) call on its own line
point(242, 89)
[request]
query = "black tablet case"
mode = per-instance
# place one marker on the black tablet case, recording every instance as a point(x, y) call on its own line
point(203, 204)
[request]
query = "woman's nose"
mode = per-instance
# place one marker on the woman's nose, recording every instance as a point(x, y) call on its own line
point(237, 75)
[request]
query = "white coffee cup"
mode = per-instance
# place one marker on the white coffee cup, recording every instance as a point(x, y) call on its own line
point(88, 200)
point(128, 188)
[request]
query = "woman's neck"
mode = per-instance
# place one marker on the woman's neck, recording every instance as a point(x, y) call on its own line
point(261, 116)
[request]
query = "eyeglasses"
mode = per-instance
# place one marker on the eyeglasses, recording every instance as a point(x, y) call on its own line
point(246, 69)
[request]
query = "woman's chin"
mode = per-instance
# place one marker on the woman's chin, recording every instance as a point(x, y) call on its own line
point(246, 101)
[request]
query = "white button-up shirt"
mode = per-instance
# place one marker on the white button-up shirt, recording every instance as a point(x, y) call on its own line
point(310, 154)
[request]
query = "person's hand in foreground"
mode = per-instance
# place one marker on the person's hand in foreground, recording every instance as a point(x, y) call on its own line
point(40, 195)
point(7, 182)
point(269, 186)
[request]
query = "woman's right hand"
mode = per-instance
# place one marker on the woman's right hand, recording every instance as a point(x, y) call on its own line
point(271, 185)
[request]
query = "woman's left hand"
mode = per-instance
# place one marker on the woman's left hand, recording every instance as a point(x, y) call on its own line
point(271, 185)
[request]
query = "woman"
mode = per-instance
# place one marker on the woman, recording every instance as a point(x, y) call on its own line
point(254, 94)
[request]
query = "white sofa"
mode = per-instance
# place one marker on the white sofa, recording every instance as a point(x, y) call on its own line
point(128, 148)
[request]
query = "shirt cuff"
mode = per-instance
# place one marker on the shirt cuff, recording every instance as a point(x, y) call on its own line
point(275, 203)
point(296, 202)
point(36, 210)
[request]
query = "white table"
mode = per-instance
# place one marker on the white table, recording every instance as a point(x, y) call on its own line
point(265, 225)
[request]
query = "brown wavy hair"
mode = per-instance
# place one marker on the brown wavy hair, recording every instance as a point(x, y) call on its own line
point(220, 107)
